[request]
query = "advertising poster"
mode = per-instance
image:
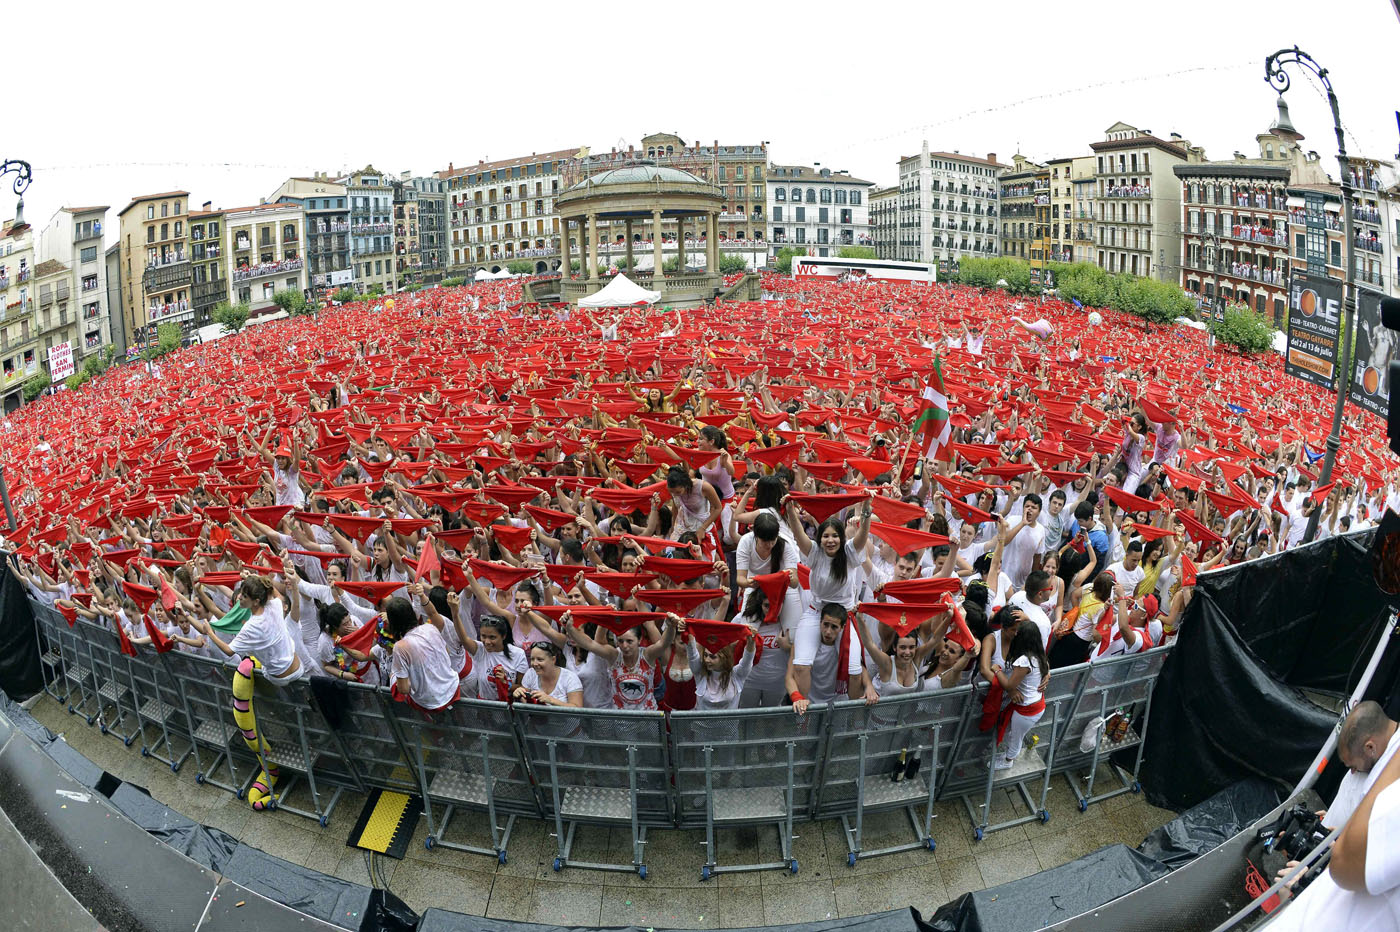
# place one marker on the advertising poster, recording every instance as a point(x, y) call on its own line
point(1314, 322)
point(1375, 348)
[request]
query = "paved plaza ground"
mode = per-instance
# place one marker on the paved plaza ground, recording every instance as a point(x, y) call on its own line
point(528, 889)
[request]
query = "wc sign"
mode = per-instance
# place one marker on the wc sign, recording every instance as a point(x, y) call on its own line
point(60, 361)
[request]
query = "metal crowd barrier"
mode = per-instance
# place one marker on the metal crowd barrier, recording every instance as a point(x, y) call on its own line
point(575, 768)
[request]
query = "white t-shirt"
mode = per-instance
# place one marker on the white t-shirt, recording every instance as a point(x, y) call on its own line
point(708, 691)
point(1035, 613)
point(267, 637)
point(1017, 556)
point(421, 656)
point(568, 682)
point(1127, 578)
point(824, 586)
point(1355, 785)
point(1029, 690)
point(1324, 905)
point(484, 661)
point(287, 484)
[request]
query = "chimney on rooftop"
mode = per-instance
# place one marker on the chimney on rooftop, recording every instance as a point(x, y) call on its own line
point(991, 156)
point(208, 205)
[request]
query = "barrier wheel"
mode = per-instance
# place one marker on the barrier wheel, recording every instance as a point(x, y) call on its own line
point(325, 820)
point(642, 871)
point(500, 857)
point(428, 843)
point(72, 711)
point(174, 767)
point(93, 718)
point(1083, 805)
point(1045, 815)
point(976, 834)
point(792, 865)
point(128, 739)
point(705, 872)
point(199, 779)
point(851, 859)
point(930, 844)
point(243, 794)
point(102, 728)
point(558, 864)
point(145, 751)
point(1137, 787)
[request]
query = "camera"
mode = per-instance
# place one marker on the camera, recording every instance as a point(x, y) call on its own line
point(1290, 837)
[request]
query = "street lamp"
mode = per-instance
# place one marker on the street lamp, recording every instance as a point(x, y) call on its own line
point(21, 170)
point(1278, 78)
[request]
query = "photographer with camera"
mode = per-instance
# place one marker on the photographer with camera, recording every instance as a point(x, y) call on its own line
point(1360, 890)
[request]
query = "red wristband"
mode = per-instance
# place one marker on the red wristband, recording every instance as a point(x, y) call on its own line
point(796, 696)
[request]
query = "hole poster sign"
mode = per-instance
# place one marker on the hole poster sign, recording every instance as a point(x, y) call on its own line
point(1375, 348)
point(1314, 324)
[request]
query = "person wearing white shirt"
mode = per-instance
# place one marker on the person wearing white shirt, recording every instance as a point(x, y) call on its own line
point(1038, 588)
point(1128, 572)
point(265, 636)
point(420, 669)
point(1369, 738)
point(1023, 541)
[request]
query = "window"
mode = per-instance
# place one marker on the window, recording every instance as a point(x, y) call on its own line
point(164, 208)
point(88, 254)
point(822, 215)
point(777, 214)
point(779, 194)
point(822, 235)
point(1336, 254)
point(800, 234)
point(811, 195)
point(150, 234)
point(840, 195)
point(826, 195)
point(855, 197)
point(801, 216)
point(150, 211)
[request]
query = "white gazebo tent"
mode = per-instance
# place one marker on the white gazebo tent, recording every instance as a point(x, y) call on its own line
point(620, 292)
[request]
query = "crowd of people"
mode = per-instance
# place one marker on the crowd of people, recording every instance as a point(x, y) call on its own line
point(458, 495)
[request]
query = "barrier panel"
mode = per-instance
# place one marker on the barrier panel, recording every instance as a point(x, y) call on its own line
point(579, 767)
point(1118, 686)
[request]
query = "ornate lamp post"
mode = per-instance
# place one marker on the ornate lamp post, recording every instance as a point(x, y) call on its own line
point(1278, 78)
point(21, 170)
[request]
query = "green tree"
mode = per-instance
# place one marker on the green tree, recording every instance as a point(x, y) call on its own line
point(855, 252)
point(344, 296)
point(783, 262)
point(412, 287)
point(168, 338)
point(291, 301)
point(35, 385)
point(520, 267)
point(1246, 330)
point(75, 380)
point(729, 263)
point(232, 316)
point(575, 265)
point(455, 281)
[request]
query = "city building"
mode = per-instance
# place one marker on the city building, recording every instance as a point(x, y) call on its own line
point(371, 198)
point(19, 354)
point(407, 258)
point(155, 271)
point(1025, 190)
point(503, 211)
point(1236, 223)
point(432, 228)
point(1067, 177)
point(1139, 201)
point(326, 209)
point(884, 221)
point(55, 322)
point(208, 262)
point(112, 262)
point(73, 240)
point(947, 207)
point(262, 248)
point(1084, 183)
point(817, 209)
point(1375, 218)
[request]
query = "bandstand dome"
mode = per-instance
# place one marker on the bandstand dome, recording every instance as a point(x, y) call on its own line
point(634, 174)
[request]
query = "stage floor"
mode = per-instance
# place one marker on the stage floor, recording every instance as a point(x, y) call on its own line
point(673, 896)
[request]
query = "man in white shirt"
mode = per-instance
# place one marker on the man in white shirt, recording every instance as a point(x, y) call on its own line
point(1023, 541)
point(1128, 572)
point(1367, 742)
point(1038, 588)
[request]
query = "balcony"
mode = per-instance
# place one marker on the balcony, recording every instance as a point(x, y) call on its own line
point(242, 244)
point(62, 294)
point(1128, 190)
point(165, 261)
point(4, 282)
point(321, 228)
point(24, 276)
point(161, 277)
point(79, 236)
point(162, 311)
point(250, 272)
point(1244, 270)
point(92, 312)
point(371, 229)
point(1371, 278)
point(1368, 243)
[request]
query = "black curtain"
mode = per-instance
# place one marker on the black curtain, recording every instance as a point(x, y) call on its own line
point(1227, 705)
point(20, 675)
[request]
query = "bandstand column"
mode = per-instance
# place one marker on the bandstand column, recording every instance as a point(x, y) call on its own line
point(630, 271)
point(658, 265)
point(711, 243)
point(592, 245)
point(565, 270)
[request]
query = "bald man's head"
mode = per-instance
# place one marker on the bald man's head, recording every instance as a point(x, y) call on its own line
point(1364, 736)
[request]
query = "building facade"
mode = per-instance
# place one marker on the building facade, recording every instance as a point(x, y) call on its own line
point(73, 239)
point(1069, 179)
point(407, 257)
point(816, 209)
point(208, 262)
point(325, 207)
point(115, 319)
point(947, 207)
point(1139, 201)
point(432, 228)
point(19, 353)
point(1376, 223)
point(884, 221)
point(155, 273)
point(262, 249)
point(1025, 189)
point(371, 197)
point(1084, 185)
point(503, 211)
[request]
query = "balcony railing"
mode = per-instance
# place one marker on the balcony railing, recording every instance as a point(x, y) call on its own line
point(1371, 278)
point(266, 268)
point(24, 275)
point(1366, 214)
point(1128, 190)
point(1299, 218)
point(163, 261)
point(161, 311)
point(1368, 244)
point(4, 282)
point(330, 228)
point(370, 229)
point(92, 313)
point(1239, 270)
point(95, 233)
point(242, 244)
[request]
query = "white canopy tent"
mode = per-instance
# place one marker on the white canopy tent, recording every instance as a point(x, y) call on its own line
point(620, 292)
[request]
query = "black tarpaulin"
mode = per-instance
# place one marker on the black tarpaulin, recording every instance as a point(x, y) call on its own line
point(331, 899)
point(896, 920)
point(1207, 825)
point(1050, 896)
point(1227, 706)
point(20, 672)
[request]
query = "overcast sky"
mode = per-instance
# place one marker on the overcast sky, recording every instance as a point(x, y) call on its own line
point(118, 102)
